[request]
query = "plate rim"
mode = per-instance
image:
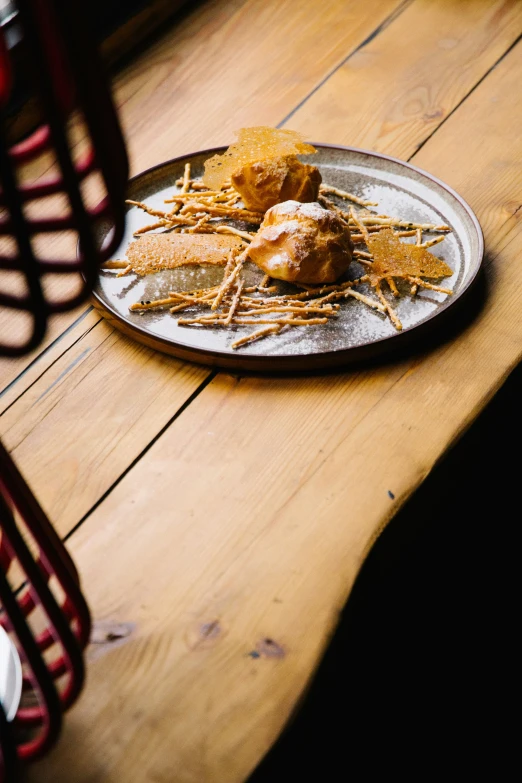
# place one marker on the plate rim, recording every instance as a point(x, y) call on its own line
point(287, 362)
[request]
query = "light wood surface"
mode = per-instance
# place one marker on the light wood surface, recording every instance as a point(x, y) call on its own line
point(27, 425)
point(398, 89)
point(220, 68)
point(43, 361)
point(241, 528)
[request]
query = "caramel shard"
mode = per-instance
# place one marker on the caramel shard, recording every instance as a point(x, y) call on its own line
point(393, 258)
point(169, 251)
point(253, 145)
point(302, 243)
point(268, 182)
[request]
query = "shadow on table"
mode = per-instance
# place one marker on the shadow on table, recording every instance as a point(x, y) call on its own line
point(419, 675)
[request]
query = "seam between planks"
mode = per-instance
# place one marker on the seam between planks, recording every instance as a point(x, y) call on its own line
point(466, 96)
point(384, 24)
point(182, 13)
point(213, 373)
point(210, 377)
point(475, 413)
point(80, 337)
point(379, 29)
point(43, 352)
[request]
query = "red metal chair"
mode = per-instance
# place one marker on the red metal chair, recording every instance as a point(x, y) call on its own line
point(41, 603)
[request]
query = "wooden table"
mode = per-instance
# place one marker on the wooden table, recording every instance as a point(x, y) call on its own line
point(219, 522)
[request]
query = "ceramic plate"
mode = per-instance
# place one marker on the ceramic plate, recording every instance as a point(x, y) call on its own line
point(400, 189)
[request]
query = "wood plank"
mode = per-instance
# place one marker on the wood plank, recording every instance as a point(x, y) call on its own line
point(387, 98)
point(235, 64)
point(85, 322)
point(111, 400)
point(27, 427)
point(132, 91)
point(215, 71)
point(266, 495)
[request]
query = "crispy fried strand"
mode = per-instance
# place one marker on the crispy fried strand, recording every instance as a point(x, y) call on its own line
point(195, 184)
point(365, 299)
point(257, 335)
point(222, 211)
point(284, 321)
point(165, 218)
point(329, 204)
point(194, 207)
point(208, 195)
point(424, 284)
point(253, 288)
point(347, 196)
point(362, 228)
point(203, 299)
point(391, 312)
point(328, 311)
point(395, 223)
point(114, 264)
point(431, 242)
point(146, 208)
point(236, 231)
point(393, 287)
point(198, 292)
point(219, 320)
point(182, 306)
point(200, 225)
point(150, 227)
point(156, 303)
point(125, 271)
point(229, 279)
point(186, 178)
point(235, 303)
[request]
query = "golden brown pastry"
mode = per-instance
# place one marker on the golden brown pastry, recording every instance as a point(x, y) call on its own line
point(168, 251)
point(264, 183)
point(302, 243)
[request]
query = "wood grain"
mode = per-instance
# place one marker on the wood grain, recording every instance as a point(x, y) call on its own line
point(397, 89)
point(247, 521)
point(27, 426)
point(224, 66)
point(234, 64)
point(110, 400)
point(44, 360)
point(12, 369)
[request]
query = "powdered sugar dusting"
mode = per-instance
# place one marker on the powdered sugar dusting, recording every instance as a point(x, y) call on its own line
point(311, 210)
point(398, 190)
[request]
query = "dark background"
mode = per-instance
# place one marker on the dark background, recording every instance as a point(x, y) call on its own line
point(420, 678)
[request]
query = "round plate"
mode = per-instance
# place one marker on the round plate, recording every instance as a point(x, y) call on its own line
point(400, 189)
